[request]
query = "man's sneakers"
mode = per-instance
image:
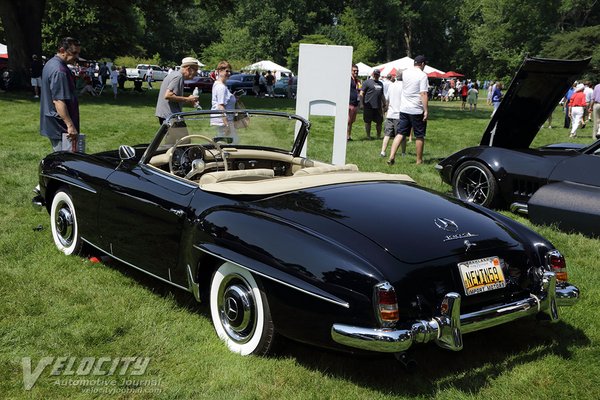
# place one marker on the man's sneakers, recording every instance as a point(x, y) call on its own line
point(382, 154)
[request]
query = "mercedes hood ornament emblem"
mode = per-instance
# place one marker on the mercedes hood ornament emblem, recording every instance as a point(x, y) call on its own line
point(446, 224)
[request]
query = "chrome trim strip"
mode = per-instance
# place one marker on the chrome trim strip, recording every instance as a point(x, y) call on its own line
point(70, 183)
point(194, 287)
point(339, 303)
point(447, 329)
point(133, 266)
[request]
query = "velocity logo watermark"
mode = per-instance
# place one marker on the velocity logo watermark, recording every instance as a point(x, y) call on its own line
point(99, 371)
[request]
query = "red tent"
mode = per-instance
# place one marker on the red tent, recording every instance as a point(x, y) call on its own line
point(452, 74)
point(435, 75)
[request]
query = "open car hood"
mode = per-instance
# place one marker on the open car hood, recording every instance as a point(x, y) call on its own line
point(531, 97)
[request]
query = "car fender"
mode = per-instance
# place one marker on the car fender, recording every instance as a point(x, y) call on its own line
point(326, 284)
point(528, 169)
point(83, 175)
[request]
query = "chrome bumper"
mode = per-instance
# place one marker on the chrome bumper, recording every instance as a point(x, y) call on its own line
point(447, 328)
point(38, 201)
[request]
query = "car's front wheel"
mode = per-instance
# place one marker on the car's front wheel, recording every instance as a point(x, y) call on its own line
point(63, 221)
point(240, 311)
point(474, 182)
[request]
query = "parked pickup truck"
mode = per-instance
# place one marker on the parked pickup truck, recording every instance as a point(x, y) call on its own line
point(141, 71)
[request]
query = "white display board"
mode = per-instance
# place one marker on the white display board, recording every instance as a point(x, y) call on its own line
point(324, 89)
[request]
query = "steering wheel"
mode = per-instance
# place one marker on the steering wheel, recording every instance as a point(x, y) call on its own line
point(197, 166)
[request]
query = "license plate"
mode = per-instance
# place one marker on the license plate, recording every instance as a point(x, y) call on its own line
point(483, 275)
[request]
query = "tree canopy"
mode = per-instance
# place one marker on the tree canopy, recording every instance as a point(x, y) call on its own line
point(480, 38)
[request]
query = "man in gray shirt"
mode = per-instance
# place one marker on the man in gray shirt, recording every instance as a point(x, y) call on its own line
point(171, 95)
point(59, 108)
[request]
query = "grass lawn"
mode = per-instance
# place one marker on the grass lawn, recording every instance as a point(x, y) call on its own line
point(52, 305)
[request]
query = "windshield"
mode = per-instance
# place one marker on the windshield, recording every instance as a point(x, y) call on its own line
point(245, 128)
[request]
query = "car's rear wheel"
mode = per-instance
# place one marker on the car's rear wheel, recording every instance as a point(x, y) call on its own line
point(474, 182)
point(63, 221)
point(240, 311)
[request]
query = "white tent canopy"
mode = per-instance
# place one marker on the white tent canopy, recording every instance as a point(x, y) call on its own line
point(364, 69)
point(266, 65)
point(400, 65)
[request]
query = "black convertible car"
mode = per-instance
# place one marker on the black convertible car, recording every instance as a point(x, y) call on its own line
point(556, 184)
point(279, 244)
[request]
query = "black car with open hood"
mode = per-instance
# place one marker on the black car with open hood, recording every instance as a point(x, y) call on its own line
point(556, 184)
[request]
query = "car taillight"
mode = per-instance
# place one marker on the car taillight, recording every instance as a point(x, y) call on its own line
point(386, 305)
point(557, 264)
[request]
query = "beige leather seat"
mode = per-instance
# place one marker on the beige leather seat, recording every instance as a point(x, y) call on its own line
point(326, 169)
point(244, 175)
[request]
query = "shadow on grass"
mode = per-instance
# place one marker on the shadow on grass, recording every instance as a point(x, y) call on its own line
point(486, 354)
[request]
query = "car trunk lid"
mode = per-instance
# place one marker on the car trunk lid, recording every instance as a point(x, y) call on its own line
point(412, 224)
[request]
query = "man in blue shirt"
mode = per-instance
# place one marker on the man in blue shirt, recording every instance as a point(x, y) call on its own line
point(566, 99)
point(59, 108)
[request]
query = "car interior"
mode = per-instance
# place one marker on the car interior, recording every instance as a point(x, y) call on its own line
point(217, 165)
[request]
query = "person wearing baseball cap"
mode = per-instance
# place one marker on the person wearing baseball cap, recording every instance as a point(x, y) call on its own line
point(413, 108)
point(170, 97)
point(373, 103)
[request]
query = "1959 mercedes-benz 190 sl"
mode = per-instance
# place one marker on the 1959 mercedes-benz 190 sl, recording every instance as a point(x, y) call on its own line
point(279, 244)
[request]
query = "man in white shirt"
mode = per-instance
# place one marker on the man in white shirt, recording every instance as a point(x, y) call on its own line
point(587, 112)
point(413, 108)
point(393, 98)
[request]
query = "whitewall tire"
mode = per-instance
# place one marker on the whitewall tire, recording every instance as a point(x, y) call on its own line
point(63, 221)
point(240, 311)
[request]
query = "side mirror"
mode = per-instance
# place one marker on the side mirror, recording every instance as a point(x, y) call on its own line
point(126, 152)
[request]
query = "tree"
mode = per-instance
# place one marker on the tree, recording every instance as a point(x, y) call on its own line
point(502, 32)
point(294, 49)
point(22, 22)
point(574, 14)
point(578, 44)
point(365, 47)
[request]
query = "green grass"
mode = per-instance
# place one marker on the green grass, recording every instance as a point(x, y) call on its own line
point(52, 305)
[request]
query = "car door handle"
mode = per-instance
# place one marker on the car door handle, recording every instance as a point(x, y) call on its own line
point(179, 213)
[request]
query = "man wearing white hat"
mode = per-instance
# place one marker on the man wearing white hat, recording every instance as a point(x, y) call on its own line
point(171, 95)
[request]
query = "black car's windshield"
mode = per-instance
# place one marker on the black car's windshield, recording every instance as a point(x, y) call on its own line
point(240, 127)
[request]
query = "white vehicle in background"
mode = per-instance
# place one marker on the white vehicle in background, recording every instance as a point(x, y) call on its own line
point(140, 72)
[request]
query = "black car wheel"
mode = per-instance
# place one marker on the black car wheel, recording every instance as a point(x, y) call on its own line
point(240, 311)
point(474, 182)
point(63, 220)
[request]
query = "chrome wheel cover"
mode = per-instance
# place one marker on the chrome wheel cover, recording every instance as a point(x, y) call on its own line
point(237, 309)
point(64, 224)
point(472, 185)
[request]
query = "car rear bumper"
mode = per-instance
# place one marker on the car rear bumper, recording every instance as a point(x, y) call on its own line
point(447, 328)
